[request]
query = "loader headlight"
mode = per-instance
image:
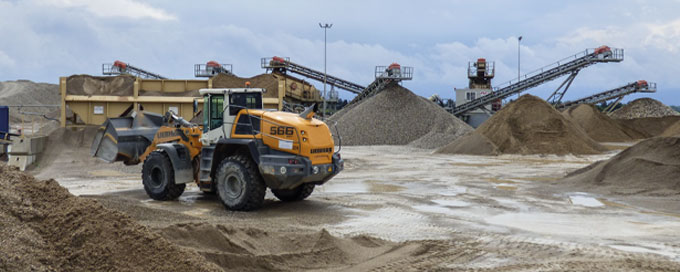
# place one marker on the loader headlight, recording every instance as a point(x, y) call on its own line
point(315, 170)
point(283, 170)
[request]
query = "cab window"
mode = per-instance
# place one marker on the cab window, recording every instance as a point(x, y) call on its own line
point(238, 101)
point(216, 113)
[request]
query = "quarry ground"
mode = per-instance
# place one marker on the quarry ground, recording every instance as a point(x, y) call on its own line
point(414, 210)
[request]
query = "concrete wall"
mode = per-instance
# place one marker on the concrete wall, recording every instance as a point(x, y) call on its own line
point(24, 151)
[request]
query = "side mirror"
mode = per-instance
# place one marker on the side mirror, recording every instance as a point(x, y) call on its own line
point(195, 105)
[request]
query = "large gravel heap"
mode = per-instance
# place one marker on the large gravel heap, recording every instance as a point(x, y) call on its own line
point(528, 125)
point(24, 92)
point(644, 107)
point(45, 228)
point(396, 116)
point(599, 126)
point(651, 167)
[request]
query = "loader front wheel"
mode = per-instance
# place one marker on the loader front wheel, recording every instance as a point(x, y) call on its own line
point(239, 184)
point(296, 194)
point(158, 177)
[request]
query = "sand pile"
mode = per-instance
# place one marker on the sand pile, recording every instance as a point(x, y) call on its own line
point(651, 167)
point(252, 249)
point(45, 228)
point(69, 148)
point(472, 143)
point(91, 85)
point(673, 130)
point(599, 126)
point(24, 92)
point(396, 116)
point(530, 125)
point(644, 107)
point(265, 81)
point(650, 126)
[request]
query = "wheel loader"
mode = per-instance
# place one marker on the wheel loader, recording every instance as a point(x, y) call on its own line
point(238, 152)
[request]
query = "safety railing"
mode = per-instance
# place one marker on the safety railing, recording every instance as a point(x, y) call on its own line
point(275, 62)
point(204, 70)
point(399, 73)
point(489, 69)
point(615, 54)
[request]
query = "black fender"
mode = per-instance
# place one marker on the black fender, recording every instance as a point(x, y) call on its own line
point(227, 147)
point(181, 161)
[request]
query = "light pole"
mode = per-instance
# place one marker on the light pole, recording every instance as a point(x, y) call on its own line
point(325, 28)
point(519, 39)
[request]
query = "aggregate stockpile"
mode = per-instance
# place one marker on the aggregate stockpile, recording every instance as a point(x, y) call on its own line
point(24, 92)
point(528, 125)
point(396, 116)
point(122, 85)
point(673, 130)
point(600, 127)
point(651, 167)
point(264, 81)
point(648, 116)
point(45, 228)
point(643, 108)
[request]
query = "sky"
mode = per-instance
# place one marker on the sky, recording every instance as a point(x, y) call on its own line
point(42, 40)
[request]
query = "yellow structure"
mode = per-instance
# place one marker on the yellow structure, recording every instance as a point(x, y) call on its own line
point(95, 109)
point(298, 91)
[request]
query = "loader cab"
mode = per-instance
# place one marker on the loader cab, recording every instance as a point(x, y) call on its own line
point(221, 106)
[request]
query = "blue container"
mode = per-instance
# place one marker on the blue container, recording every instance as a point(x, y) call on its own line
point(4, 120)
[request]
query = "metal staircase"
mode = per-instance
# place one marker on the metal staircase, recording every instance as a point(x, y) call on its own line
point(570, 65)
point(122, 68)
point(282, 65)
point(640, 86)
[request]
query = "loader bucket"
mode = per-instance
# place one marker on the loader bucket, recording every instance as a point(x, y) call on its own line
point(126, 138)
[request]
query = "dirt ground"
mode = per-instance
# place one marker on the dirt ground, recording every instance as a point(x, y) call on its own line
point(396, 208)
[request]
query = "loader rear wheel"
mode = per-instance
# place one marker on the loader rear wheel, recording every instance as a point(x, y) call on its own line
point(296, 194)
point(158, 177)
point(239, 184)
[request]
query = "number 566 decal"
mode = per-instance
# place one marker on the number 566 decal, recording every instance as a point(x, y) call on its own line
point(282, 131)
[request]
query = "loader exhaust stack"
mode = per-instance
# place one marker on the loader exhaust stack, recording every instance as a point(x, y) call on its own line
point(126, 138)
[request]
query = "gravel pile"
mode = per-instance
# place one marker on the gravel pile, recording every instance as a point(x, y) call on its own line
point(529, 125)
point(651, 167)
point(599, 126)
point(644, 107)
point(24, 92)
point(396, 116)
point(45, 228)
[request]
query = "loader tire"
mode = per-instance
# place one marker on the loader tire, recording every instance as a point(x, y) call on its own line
point(296, 194)
point(239, 184)
point(158, 177)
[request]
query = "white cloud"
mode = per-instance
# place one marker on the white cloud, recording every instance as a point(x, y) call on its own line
point(6, 61)
point(118, 8)
point(666, 36)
